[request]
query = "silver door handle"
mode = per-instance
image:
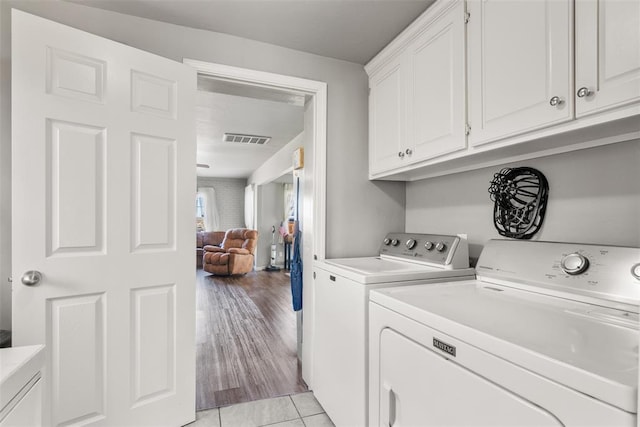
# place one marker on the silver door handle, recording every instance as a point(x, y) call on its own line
point(31, 278)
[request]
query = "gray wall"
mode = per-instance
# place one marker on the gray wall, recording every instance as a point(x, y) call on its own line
point(270, 213)
point(379, 207)
point(230, 199)
point(594, 197)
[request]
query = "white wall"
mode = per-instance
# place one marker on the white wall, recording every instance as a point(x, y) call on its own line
point(594, 197)
point(270, 213)
point(5, 171)
point(229, 198)
point(378, 207)
point(277, 164)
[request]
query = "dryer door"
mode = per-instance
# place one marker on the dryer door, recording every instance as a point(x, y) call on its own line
point(420, 387)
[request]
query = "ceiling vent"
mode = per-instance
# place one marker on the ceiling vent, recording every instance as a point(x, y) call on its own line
point(246, 139)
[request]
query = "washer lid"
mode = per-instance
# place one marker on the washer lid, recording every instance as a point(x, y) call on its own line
point(586, 347)
point(367, 270)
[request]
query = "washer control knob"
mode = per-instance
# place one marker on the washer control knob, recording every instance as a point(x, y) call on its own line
point(574, 264)
point(428, 246)
point(395, 242)
point(440, 247)
point(386, 241)
point(411, 243)
point(635, 271)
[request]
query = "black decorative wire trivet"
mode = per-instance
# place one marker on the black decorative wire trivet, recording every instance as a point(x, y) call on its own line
point(520, 201)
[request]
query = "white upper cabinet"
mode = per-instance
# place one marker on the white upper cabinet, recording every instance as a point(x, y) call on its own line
point(479, 83)
point(417, 98)
point(387, 105)
point(607, 54)
point(436, 90)
point(520, 66)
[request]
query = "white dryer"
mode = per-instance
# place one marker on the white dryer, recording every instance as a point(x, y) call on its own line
point(341, 294)
point(547, 335)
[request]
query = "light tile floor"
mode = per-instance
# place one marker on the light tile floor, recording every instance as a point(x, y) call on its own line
point(296, 410)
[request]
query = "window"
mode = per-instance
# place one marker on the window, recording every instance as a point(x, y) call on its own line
point(199, 206)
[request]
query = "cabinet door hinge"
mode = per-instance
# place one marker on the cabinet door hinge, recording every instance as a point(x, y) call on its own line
point(467, 16)
point(467, 129)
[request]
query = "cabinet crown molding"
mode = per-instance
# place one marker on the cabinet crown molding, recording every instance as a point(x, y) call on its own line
point(402, 40)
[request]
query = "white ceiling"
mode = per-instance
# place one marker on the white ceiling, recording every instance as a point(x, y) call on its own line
point(352, 30)
point(217, 113)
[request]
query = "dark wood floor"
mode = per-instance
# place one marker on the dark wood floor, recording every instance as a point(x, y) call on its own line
point(246, 339)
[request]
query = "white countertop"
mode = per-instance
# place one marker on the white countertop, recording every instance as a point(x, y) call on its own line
point(18, 365)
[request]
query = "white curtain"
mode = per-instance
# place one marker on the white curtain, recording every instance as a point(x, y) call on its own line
point(248, 206)
point(211, 215)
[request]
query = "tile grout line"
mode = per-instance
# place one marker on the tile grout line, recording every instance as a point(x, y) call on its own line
point(277, 422)
point(294, 405)
point(299, 417)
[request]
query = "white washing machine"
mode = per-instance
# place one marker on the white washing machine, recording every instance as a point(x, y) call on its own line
point(547, 335)
point(341, 304)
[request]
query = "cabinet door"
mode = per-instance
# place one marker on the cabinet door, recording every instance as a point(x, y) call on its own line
point(387, 112)
point(519, 59)
point(436, 88)
point(607, 54)
point(27, 411)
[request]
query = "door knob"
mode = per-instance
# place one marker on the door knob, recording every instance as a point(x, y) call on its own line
point(31, 278)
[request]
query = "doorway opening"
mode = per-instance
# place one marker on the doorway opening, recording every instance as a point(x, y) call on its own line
point(259, 286)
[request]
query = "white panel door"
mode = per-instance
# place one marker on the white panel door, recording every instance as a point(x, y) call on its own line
point(421, 388)
point(607, 54)
point(103, 187)
point(436, 108)
point(519, 64)
point(387, 115)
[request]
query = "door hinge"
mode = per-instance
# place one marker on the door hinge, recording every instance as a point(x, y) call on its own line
point(467, 129)
point(467, 16)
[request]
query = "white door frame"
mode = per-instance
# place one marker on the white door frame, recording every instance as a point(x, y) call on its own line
point(315, 238)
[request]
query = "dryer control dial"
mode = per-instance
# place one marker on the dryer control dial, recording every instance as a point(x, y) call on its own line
point(428, 246)
point(386, 241)
point(574, 264)
point(411, 243)
point(395, 242)
point(441, 246)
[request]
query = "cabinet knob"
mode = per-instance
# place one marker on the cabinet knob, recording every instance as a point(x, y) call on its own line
point(400, 154)
point(584, 92)
point(409, 151)
point(555, 101)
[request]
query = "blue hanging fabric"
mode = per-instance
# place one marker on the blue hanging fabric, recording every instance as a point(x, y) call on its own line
point(296, 259)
